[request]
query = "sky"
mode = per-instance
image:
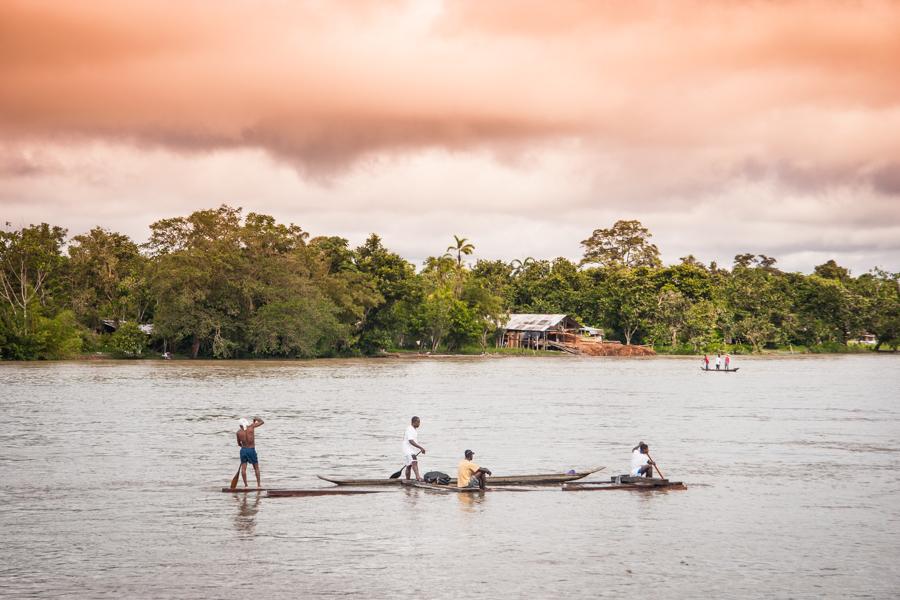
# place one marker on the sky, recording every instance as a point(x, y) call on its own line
point(770, 127)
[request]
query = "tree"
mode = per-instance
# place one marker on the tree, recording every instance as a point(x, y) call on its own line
point(626, 244)
point(106, 278)
point(29, 258)
point(461, 247)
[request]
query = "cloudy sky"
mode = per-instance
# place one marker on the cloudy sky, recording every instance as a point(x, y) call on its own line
point(725, 127)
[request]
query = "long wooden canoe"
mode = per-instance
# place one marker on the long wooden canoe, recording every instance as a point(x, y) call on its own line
point(720, 370)
point(441, 488)
point(541, 479)
point(317, 492)
point(625, 482)
point(243, 490)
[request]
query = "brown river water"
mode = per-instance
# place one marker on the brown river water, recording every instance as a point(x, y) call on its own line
point(112, 472)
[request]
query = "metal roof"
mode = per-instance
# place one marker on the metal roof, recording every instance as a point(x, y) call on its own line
point(532, 322)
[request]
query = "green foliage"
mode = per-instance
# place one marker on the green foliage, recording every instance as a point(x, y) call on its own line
point(128, 340)
point(626, 244)
point(219, 284)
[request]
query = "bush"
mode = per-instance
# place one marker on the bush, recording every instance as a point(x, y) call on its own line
point(128, 340)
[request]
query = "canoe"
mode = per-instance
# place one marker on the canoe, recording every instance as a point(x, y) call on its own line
point(625, 482)
point(542, 479)
point(245, 490)
point(440, 488)
point(317, 492)
point(720, 370)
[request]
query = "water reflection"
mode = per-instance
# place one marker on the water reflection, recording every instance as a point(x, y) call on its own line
point(245, 519)
point(469, 501)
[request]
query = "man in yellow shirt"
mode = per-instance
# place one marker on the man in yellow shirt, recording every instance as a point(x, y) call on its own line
point(469, 474)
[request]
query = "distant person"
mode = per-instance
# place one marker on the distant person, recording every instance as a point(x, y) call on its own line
point(718, 361)
point(641, 465)
point(727, 362)
point(706, 361)
point(246, 439)
point(470, 475)
point(409, 448)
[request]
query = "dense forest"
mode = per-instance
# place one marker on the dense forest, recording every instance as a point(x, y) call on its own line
point(221, 284)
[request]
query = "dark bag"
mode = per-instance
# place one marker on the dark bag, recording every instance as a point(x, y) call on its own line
point(437, 477)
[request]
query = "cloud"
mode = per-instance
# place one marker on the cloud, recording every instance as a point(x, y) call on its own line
point(523, 124)
point(322, 85)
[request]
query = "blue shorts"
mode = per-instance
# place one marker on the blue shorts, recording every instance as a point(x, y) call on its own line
point(248, 455)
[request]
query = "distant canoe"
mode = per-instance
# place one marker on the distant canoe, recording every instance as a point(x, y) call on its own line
point(542, 479)
point(244, 490)
point(720, 370)
point(625, 482)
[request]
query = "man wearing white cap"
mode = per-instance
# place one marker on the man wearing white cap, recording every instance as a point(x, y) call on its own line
point(246, 440)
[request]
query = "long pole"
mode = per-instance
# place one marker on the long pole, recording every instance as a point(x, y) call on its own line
point(661, 476)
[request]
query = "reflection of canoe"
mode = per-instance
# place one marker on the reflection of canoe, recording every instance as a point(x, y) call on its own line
point(720, 370)
point(625, 482)
point(542, 479)
point(317, 492)
point(440, 488)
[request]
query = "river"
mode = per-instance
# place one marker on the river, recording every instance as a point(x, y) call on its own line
point(112, 472)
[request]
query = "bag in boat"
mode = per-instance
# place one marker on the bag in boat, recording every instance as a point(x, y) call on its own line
point(437, 477)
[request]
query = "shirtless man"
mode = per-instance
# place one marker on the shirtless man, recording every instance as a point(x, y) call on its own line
point(246, 440)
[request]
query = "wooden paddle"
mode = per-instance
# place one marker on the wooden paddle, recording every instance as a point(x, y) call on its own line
point(398, 473)
point(661, 476)
point(234, 479)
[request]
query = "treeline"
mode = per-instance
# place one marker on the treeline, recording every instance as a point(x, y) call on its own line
point(220, 284)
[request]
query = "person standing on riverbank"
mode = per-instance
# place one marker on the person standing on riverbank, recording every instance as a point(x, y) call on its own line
point(409, 448)
point(246, 439)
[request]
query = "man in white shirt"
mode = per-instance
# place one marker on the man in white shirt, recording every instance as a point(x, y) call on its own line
point(641, 465)
point(409, 448)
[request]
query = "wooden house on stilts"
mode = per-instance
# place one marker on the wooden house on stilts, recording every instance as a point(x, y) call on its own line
point(541, 332)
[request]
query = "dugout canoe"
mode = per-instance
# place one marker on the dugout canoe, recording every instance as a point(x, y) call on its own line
point(625, 482)
point(541, 479)
point(440, 488)
point(244, 490)
point(317, 492)
point(720, 370)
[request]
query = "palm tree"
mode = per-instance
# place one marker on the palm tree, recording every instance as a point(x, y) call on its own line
point(462, 247)
point(518, 266)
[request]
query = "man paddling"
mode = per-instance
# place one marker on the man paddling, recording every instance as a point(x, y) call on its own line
point(641, 465)
point(246, 439)
point(470, 475)
point(409, 448)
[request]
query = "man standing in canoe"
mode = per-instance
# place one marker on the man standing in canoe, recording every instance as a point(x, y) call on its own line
point(718, 361)
point(727, 362)
point(641, 465)
point(409, 448)
point(246, 439)
point(706, 361)
point(470, 475)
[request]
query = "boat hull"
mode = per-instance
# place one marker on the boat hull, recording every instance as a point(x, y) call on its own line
point(542, 479)
point(719, 370)
point(450, 489)
point(625, 482)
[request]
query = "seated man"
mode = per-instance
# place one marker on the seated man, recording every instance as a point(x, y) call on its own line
point(641, 465)
point(469, 474)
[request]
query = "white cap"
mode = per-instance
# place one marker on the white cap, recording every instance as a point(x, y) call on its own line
point(244, 423)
